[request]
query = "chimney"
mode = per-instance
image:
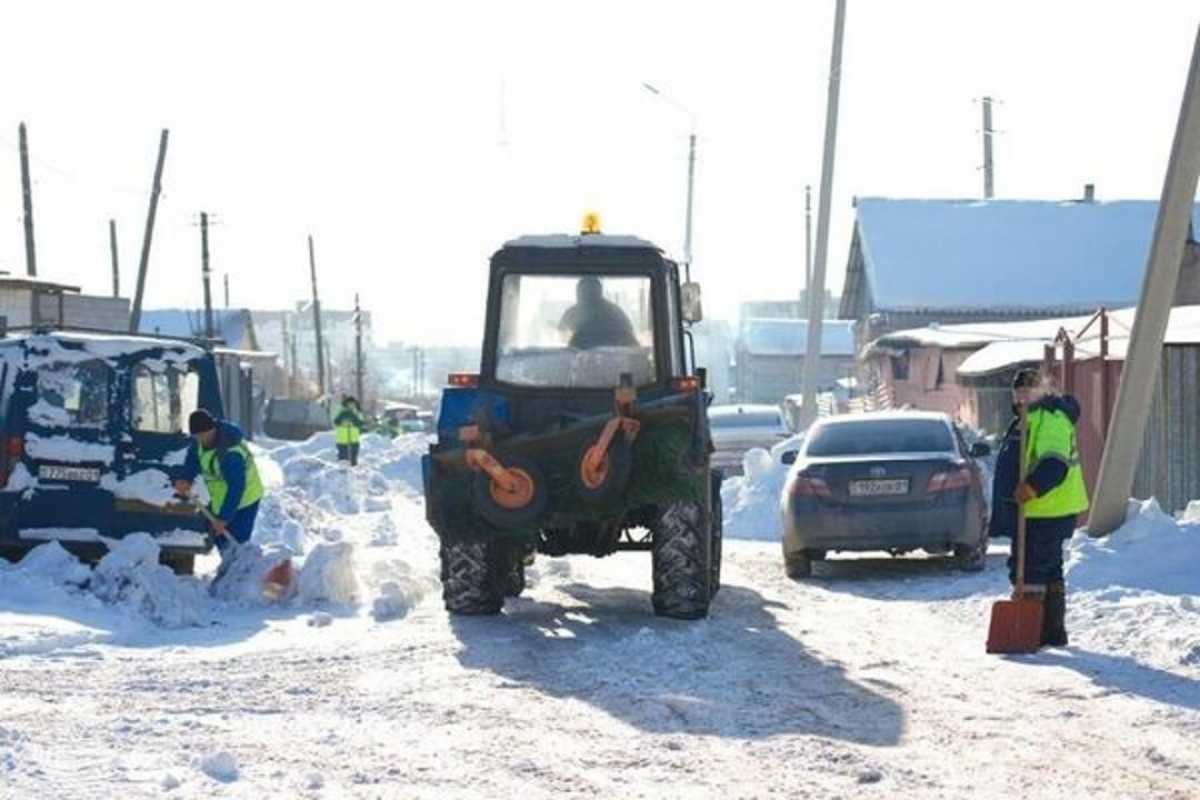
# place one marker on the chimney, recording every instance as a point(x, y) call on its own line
point(1089, 193)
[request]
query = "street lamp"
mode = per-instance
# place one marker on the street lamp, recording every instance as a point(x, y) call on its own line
point(691, 179)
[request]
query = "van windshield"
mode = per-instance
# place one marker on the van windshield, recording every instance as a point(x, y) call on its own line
point(73, 395)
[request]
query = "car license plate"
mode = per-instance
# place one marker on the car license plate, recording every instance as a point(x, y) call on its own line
point(53, 472)
point(879, 488)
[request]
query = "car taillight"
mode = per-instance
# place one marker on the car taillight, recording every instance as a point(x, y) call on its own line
point(14, 446)
point(950, 481)
point(463, 380)
point(808, 486)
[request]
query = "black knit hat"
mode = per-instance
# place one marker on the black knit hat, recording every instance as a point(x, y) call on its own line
point(201, 421)
point(1027, 378)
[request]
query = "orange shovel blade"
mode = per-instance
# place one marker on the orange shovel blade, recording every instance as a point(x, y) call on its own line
point(1016, 626)
point(277, 580)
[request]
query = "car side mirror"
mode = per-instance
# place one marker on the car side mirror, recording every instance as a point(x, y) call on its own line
point(789, 457)
point(980, 450)
point(689, 298)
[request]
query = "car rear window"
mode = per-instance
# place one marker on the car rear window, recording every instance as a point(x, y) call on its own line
point(748, 419)
point(869, 437)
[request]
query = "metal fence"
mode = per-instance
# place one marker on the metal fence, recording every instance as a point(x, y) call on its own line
point(1170, 465)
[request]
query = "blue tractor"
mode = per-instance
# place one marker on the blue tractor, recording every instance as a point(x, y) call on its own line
point(90, 434)
point(585, 430)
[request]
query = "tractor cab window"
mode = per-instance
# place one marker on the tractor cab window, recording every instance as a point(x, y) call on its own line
point(163, 399)
point(73, 395)
point(574, 331)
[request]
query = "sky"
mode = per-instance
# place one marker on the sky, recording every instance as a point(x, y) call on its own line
point(411, 139)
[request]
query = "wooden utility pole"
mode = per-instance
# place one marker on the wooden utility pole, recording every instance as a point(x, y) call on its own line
point(112, 246)
point(206, 274)
point(27, 200)
point(358, 353)
point(227, 290)
point(1139, 376)
point(816, 290)
point(316, 304)
point(135, 317)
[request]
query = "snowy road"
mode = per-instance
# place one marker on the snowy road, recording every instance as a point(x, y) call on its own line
point(852, 686)
point(868, 681)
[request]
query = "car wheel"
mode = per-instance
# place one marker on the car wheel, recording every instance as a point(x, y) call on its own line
point(798, 566)
point(971, 558)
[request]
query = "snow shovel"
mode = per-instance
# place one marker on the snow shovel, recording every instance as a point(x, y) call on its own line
point(1017, 623)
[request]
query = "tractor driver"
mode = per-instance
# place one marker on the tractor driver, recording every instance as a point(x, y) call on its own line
point(594, 321)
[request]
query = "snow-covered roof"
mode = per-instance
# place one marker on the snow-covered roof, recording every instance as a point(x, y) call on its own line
point(1003, 345)
point(1004, 255)
point(9, 281)
point(84, 346)
point(232, 325)
point(789, 337)
point(564, 240)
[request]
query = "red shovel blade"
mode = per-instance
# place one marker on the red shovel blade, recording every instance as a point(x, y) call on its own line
point(1016, 626)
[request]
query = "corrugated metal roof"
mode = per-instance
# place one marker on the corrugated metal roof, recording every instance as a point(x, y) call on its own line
point(1004, 255)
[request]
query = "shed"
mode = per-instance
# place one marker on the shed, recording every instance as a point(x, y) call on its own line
point(770, 357)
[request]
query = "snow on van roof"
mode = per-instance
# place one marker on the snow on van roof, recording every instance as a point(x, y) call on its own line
point(566, 240)
point(1004, 255)
point(49, 346)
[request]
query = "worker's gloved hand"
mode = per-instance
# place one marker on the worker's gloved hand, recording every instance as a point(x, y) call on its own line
point(219, 527)
point(1025, 494)
point(183, 488)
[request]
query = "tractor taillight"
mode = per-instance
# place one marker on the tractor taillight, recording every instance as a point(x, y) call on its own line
point(463, 380)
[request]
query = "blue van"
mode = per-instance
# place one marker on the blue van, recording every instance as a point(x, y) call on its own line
point(92, 427)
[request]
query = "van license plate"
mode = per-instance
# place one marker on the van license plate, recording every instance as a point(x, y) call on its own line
point(882, 488)
point(51, 472)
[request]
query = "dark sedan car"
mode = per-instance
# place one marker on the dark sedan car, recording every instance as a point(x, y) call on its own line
point(896, 482)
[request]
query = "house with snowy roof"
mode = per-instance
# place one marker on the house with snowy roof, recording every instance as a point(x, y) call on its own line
point(917, 262)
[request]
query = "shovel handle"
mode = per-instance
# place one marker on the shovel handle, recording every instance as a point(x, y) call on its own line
point(1023, 426)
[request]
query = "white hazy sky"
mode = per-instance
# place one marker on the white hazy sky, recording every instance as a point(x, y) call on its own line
point(380, 128)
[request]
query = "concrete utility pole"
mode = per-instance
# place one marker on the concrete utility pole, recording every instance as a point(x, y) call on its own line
point(206, 275)
point(27, 201)
point(988, 171)
point(112, 247)
point(316, 303)
point(358, 354)
point(691, 178)
point(816, 289)
point(1123, 449)
point(135, 317)
point(807, 237)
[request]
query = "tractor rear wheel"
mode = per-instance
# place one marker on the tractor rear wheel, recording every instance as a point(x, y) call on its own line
point(473, 576)
point(682, 558)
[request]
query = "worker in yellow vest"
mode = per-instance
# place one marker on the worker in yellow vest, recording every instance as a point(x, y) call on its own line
point(218, 452)
point(348, 425)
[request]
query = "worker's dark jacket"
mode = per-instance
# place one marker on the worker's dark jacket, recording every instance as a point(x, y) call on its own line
point(1044, 536)
point(598, 324)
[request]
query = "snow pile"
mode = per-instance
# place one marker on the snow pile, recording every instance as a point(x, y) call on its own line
point(149, 486)
point(750, 501)
point(51, 563)
point(220, 766)
point(130, 575)
point(1135, 591)
point(328, 575)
